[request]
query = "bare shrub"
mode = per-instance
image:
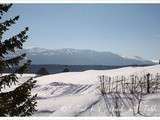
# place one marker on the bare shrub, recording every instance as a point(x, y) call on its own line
point(133, 88)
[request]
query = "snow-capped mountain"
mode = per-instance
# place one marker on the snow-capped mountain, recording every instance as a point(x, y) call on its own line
point(155, 61)
point(71, 56)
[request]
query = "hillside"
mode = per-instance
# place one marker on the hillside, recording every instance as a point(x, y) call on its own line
point(76, 93)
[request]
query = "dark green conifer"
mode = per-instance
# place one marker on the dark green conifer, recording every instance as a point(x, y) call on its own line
point(18, 102)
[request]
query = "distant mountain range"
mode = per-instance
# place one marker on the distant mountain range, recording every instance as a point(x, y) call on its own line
point(68, 56)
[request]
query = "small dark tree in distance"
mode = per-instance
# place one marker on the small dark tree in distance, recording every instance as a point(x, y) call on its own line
point(42, 71)
point(18, 102)
point(66, 69)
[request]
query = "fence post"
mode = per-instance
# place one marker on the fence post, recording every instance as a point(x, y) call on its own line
point(124, 84)
point(132, 83)
point(157, 78)
point(116, 84)
point(148, 83)
point(109, 84)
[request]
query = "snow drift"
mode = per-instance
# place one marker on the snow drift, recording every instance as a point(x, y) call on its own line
point(76, 93)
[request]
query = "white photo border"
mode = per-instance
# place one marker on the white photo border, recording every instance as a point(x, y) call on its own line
point(80, 2)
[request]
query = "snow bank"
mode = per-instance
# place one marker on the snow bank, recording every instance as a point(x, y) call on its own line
point(76, 93)
point(91, 76)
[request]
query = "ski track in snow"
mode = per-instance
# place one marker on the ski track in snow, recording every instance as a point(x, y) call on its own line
point(59, 99)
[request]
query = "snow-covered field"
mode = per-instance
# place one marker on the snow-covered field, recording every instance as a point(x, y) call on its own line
point(76, 94)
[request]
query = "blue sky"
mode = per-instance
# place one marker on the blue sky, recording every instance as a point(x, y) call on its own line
point(120, 28)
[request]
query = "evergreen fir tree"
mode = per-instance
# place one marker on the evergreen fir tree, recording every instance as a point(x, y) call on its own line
point(18, 102)
point(66, 69)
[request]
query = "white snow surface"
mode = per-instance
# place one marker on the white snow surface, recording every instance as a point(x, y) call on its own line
point(22, 78)
point(91, 76)
point(76, 93)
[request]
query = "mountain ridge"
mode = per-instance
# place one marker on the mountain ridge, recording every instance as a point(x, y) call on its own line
point(70, 56)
